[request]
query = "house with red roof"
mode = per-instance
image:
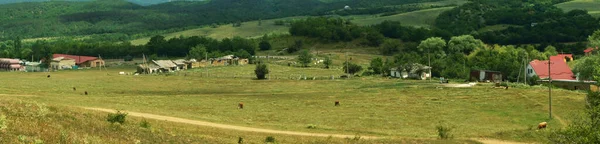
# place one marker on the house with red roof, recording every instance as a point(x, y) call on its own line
point(563, 57)
point(589, 51)
point(82, 61)
point(558, 69)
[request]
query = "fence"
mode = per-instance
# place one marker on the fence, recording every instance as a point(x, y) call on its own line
point(269, 76)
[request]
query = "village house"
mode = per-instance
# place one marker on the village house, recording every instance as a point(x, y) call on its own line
point(11, 65)
point(419, 72)
point(60, 63)
point(560, 74)
point(82, 61)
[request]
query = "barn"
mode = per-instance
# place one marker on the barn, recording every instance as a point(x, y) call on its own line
point(486, 76)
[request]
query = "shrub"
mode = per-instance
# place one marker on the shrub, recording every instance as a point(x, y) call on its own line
point(327, 62)
point(145, 124)
point(3, 122)
point(118, 117)
point(296, 46)
point(351, 68)
point(261, 70)
point(305, 58)
point(270, 139)
point(311, 126)
point(264, 45)
point(444, 132)
point(533, 80)
point(128, 58)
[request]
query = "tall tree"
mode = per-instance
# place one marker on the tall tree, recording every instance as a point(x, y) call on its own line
point(198, 52)
point(594, 39)
point(464, 44)
point(376, 65)
point(432, 46)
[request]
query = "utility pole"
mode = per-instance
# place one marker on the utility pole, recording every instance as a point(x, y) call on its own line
point(549, 89)
point(347, 72)
point(526, 62)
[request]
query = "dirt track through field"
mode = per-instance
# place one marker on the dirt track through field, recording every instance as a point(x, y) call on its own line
point(249, 129)
point(224, 126)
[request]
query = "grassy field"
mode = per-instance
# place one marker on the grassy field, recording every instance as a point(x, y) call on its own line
point(592, 6)
point(422, 18)
point(369, 105)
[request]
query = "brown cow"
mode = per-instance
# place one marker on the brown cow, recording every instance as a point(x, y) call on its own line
point(241, 105)
point(542, 125)
point(337, 103)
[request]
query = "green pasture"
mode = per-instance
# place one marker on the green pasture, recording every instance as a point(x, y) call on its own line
point(371, 106)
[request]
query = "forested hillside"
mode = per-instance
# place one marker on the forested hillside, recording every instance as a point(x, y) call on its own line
point(123, 19)
point(527, 22)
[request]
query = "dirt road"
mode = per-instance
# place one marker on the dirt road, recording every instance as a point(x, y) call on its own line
point(232, 127)
point(249, 129)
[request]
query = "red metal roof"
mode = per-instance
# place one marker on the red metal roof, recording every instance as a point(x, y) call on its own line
point(561, 56)
point(559, 69)
point(589, 50)
point(78, 59)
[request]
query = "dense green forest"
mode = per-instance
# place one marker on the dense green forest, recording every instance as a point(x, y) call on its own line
point(124, 19)
point(529, 21)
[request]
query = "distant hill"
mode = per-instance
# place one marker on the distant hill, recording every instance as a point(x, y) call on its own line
point(140, 2)
point(122, 19)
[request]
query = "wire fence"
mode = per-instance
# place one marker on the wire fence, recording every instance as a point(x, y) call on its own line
point(269, 76)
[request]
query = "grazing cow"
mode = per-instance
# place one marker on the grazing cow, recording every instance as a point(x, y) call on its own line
point(48, 76)
point(86, 93)
point(241, 105)
point(337, 103)
point(542, 125)
point(74, 89)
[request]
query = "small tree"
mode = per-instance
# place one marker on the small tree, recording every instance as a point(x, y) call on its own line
point(327, 62)
point(118, 117)
point(351, 68)
point(264, 45)
point(261, 70)
point(376, 66)
point(305, 58)
point(197, 52)
point(297, 46)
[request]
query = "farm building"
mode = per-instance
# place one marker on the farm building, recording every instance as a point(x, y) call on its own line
point(147, 69)
point(574, 84)
point(60, 63)
point(165, 65)
point(228, 60)
point(198, 64)
point(181, 64)
point(590, 51)
point(82, 61)
point(420, 72)
point(33, 67)
point(559, 70)
point(486, 76)
point(10, 65)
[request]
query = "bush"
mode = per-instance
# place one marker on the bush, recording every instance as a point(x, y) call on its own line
point(351, 68)
point(270, 139)
point(128, 58)
point(118, 117)
point(533, 80)
point(261, 70)
point(327, 62)
point(145, 124)
point(444, 132)
point(264, 45)
point(295, 47)
point(3, 122)
point(311, 126)
point(305, 58)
